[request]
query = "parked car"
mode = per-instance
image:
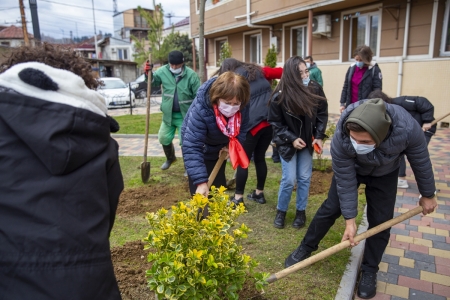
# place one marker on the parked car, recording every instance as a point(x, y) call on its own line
point(116, 93)
point(139, 87)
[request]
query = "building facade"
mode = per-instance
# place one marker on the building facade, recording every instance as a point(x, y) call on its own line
point(410, 39)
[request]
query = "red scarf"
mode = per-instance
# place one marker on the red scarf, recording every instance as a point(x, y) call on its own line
point(231, 130)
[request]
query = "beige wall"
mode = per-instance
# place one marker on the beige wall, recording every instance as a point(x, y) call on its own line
point(128, 18)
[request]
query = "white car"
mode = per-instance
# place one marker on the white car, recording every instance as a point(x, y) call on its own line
point(116, 93)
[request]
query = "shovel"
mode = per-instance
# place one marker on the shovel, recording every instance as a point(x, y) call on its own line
point(343, 245)
point(145, 165)
point(438, 119)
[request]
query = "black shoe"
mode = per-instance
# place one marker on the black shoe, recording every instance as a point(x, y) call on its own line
point(169, 151)
point(298, 255)
point(258, 198)
point(300, 219)
point(276, 160)
point(279, 219)
point(237, 201)
point(367, 287)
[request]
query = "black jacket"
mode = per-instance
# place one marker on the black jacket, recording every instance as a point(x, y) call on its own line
point(287, 126)
point(60, 182)
point(420, 109)
point(405, 137)
point(371, 80)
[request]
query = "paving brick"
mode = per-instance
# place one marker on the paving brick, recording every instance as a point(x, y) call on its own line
point(425, 266)
point(411, 227)
point(423, 242)
point(392, 237)
point(427, 219)
point(426, 229)
point(419, 256)
point(439, 252)
point(405, 239)
point(442, 261)
point(416, 284)
point(381, 287)
point(441, 221)
point(396, 290)
point(419, 248)
point(435, 278)
point(415, 234)
point(406, 262)
point(442, 232)
point(441, 245)
point(400, 231)
point(439, 210)
point(399, 226)
point(405, 271)
point(447, 240)
point(394, 251)
point(387, 277)
point(390, 259)
point(419, 223)
point(409, 206)
point(442, 290)
point(399, 245)
point(440, 226)
point(419, 295)
point(443, 270)
point(378, 296)
point(398, 298)
point(434, 237)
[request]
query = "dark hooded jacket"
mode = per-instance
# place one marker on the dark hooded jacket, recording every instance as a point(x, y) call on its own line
point(404, 137)
point(287, 126)
point(60, 183)
point(420, 109)
point(202, 138)
point(372, 80)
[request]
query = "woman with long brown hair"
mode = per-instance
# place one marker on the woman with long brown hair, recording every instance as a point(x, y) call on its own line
point(299, 114)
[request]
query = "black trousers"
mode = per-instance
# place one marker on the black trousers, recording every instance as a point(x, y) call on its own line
point(380, 196)
point(257, 145)
point(218, 181)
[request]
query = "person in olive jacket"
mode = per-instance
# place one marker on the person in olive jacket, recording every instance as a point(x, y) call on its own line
point(179, 85)
point(362, 78)
point(298, 113)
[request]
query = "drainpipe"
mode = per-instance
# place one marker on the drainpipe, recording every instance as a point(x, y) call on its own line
point(405, 49)
point(249, 22)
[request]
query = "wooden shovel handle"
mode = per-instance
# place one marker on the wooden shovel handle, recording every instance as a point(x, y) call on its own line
point(438, 119)
point(345, 244)
point(216, 169)
point(147, 113)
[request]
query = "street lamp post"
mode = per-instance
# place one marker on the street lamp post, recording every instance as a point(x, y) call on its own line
point(95, 32)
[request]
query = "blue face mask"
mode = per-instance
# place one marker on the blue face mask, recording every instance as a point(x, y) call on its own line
point(361, 148)
point(360, 64)
point(306, 81)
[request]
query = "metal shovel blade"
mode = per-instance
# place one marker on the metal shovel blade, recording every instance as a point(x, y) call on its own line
point(145, 171)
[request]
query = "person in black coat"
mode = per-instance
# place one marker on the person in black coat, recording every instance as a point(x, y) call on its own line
point(60, 179)
point(422, 111)
point(298, 112)
point(362, 78)
point(216, 121)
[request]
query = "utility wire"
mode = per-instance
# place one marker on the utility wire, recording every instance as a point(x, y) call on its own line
point(65, 4)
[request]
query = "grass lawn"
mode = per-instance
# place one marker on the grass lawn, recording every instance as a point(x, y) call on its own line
point(266, 244)
point(135, 124)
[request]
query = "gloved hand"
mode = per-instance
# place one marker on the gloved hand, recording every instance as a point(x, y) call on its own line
point(148, 67)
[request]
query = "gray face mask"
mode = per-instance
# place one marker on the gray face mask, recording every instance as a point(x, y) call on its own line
point(176, 71)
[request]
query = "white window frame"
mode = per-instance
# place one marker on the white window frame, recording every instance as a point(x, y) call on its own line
point(217, 51)
point(209, 5)
point(368, 28)
point(251, 34)
point(305, 39)
point(444, 30)
point(258, 51)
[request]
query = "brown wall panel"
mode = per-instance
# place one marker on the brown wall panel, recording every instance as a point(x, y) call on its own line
point(419, 37)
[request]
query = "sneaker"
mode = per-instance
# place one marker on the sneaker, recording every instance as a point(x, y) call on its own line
point(367, 287)
point(258, 198)
point(298, 255)
point(237, 201)
point(402, 184)
point(185, 174)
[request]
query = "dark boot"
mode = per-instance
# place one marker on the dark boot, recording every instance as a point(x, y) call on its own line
point(367, 287)
point(298, 255)
point(300, 219)
point(279, 219)
point(169, 151)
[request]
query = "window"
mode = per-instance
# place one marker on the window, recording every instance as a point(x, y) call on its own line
point(364, 31)
point(255, 49)
point(298, 41)
point(123, 54)
point(445, 43)
point(5, 44)
point(218, 45)
point(211, 3)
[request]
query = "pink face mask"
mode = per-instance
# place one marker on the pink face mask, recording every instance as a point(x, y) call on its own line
point(228, 110)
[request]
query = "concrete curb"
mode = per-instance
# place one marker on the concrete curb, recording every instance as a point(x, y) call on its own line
point(348, 281)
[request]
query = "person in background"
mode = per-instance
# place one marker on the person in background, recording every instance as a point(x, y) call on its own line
point(362, 78)
point(370, 139)
point(179, 84)
point(314, 72)
point(216, 121)
point(422, 111)
point(60, 178)
point(260, 132)
point(298, 113)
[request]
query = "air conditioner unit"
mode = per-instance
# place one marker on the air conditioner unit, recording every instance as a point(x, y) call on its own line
point(321, 25)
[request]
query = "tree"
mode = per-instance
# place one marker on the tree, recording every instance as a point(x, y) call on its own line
point(201, 35)
point(225, 52)
point(271, 61)
point(181, 42)
point(155, 37)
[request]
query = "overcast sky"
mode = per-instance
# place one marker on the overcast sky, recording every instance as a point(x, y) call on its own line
point(58, 17)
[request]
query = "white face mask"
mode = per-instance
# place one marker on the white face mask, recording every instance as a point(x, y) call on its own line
point(306, 81)
point(361, 148)
point(308, 65)
point(175, 71)
point(228, 110)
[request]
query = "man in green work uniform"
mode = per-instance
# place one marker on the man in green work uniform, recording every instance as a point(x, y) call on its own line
point(179, 85)
point(314, 72)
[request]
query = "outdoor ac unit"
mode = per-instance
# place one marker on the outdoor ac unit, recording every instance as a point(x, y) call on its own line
point(321, 25)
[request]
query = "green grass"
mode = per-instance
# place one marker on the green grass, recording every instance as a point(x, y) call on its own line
point(135, 124)
point(266, 244)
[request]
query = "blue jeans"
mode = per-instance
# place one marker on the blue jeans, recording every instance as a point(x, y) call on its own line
point(298, 169)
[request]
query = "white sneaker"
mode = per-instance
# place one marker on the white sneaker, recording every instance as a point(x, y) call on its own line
point(402, 183)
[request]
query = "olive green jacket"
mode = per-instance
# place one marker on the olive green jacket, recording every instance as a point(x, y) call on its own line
point(186, 88)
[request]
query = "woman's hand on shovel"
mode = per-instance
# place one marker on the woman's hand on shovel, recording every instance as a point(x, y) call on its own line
point(224, 149)
point(350, 232)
